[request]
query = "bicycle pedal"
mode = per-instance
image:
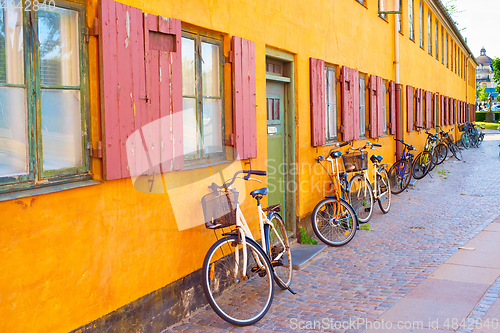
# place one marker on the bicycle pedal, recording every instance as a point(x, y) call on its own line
point(277, 263)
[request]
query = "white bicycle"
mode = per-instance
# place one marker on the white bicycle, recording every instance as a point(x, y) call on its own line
point(238, 273)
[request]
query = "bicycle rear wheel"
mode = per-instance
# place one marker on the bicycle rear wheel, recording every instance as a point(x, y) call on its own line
point(361, 197)
point(384, 191)
point(399, 176)
point(442, 152)
point(238, 300)
point(464, 138)
point(456, 152)
point(334, 221)
point(434, 159)
point(278, 249)
point(421, 164)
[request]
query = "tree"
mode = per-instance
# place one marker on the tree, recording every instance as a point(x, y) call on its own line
point(481, 94)
point(453, 10)
point(495, 64)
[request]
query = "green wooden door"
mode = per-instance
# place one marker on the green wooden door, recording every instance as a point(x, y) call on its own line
point(275, 143)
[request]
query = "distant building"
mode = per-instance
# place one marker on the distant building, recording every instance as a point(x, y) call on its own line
point(484, 75)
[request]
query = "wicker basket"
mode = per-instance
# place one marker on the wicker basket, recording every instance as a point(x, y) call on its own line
point(219, 209)
point(461, 127)
point(355, 161)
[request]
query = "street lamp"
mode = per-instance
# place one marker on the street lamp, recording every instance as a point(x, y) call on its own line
point(390, 6)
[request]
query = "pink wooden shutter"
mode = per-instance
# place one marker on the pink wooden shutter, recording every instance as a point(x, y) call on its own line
point(133, 96)
point(435, 113)
point(428, 109)
point(409, 108)
point(350, 104)
point(244, 98)
point(467, 112)
point(474, 112)
point(380, 97)
point(446, 107)
point(441, 110)
point(392, 107)
point(318, 103)
point(373, 99)
point(453, 110)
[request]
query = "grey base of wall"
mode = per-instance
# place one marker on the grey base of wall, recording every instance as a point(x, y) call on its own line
point(156, 311)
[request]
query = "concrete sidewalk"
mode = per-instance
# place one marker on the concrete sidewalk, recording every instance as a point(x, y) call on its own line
point(432, 262)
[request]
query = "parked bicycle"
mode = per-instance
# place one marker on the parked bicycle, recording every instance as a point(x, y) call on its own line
point(401, 171)
point(361, 193)
point(447, 138)
point(238, 273)
point(436, 148)
point(333, 219)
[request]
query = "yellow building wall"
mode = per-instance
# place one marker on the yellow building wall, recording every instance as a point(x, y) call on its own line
point(71, 257)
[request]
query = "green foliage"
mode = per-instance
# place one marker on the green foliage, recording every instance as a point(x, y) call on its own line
point(481, 94)
point(496, 70)
point(452, 10)
point(304, 239)
point(365, 226)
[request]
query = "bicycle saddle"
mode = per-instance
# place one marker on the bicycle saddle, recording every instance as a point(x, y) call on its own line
point(336, 154)
point(260, 191)
point(376, 158)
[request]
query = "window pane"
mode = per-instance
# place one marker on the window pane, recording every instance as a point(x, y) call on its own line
point(13, 148)
point(11, 44)
point(331, 104)
point(59, 47)
point(188, 67)
point(362, 113)
point(410, 18)
point(210, 69)
point(190, 129)
point(421, 14)
point(61, 129)
point(212, 125)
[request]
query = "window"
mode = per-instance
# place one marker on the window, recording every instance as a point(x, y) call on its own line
point(361, 2)
point(410, 20)
point(384, 107)
point(437, 40)
point(421, 25)
point(362, 106)
point(442, 45)
point(429, 32)
point(43, 116)
point(331, 102)
point(202, 97)
point(383, 16)
point(452, 58)
point(399, 23)
point(447, 52)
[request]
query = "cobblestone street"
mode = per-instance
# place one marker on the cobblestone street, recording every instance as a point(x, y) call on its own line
point(362, 280)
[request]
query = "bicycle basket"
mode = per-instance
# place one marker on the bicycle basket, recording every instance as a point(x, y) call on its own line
point(355, 161)
point(461, 127)
point(219, 209)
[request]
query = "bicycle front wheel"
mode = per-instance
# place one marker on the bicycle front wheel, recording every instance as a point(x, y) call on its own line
point(361, 197)
point(421, 164)
point(434, 159)
point(334, 221)
point(456, 152)
point(278, 249)
point(399, 176)
point(384, 191)
point(240, 294)
point(442, 152)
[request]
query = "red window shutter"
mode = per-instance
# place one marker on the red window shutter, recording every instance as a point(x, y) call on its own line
point(163, 64)
point(135, 103)
point(350, 104)
point(373, 120)
point(409, 108)
point(244, 98)
point(446, 106)
point(380, 97)
point(435, 112)
point(441, 110)
point(467, 112)
point(318, 103)
point(453, 110)
point(392, 107)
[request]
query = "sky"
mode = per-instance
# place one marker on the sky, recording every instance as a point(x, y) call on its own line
point(482, 20)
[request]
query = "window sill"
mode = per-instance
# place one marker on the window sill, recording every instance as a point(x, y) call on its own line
point(47, 190)
point(205, 165)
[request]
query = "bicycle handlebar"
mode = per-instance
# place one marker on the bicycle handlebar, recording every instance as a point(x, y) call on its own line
point(410, 147)
point(228, 183)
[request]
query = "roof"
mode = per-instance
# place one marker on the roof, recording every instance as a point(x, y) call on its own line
point(483, 59)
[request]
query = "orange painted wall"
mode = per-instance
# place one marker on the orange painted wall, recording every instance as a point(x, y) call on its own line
point(71, 257)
